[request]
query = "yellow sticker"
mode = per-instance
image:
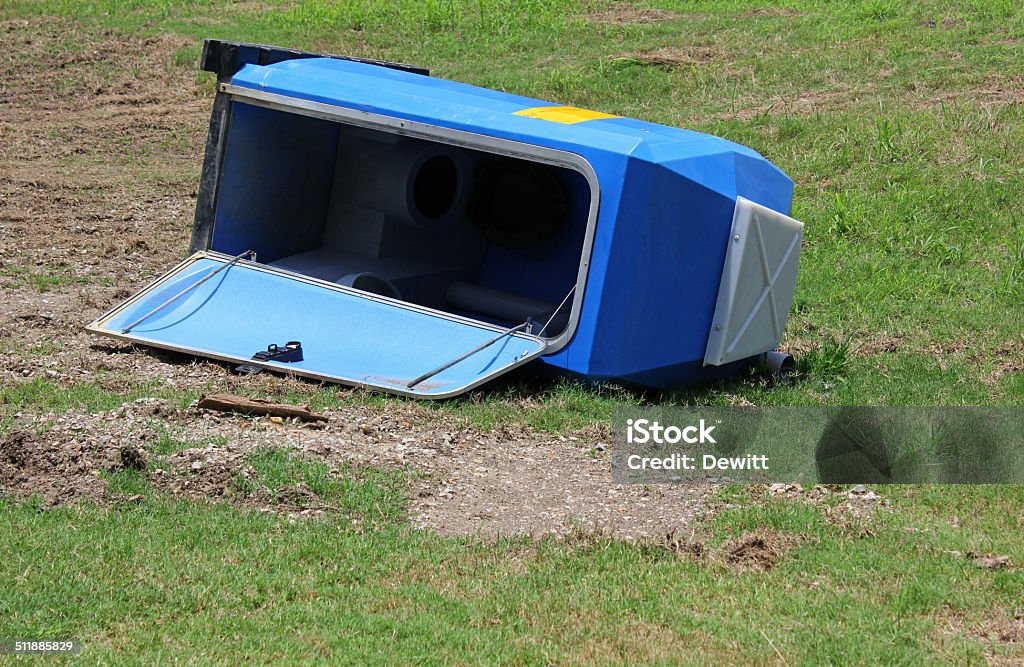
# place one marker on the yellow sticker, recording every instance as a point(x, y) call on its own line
point(567, 115)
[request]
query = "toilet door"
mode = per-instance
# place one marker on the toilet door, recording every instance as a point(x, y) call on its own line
point(216, 306)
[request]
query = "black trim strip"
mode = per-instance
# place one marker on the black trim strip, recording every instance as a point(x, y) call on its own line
point(225, 58)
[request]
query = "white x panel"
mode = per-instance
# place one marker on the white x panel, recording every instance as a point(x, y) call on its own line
point(758, 281)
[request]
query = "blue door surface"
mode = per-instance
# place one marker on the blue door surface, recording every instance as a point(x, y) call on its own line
point(347, 336)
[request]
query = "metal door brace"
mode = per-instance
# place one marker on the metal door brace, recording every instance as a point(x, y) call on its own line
point(507, 332)
point(550, 319)
point(185, 291)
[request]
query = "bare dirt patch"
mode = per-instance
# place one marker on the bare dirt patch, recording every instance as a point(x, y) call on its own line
point(944, 23)
point(806, 103)
point(56, 473)
point(626, 14)
point(465, 481)
point(782, 12)
point(99, 137)
point(1004, 630)
point(669, 58)
point(1006, 359)
point(1000, 631)
point(996, 91)
point(758, 550)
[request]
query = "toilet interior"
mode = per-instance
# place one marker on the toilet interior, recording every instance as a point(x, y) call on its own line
point(468, 231)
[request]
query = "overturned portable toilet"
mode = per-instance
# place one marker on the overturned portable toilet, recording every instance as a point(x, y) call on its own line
point(422, 236)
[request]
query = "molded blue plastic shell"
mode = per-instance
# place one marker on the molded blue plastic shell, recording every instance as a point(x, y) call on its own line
point(666, 198)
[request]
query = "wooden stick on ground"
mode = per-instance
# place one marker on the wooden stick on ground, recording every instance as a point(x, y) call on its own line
point(257, 406)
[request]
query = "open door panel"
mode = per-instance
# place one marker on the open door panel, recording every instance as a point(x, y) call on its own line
point(347, 336)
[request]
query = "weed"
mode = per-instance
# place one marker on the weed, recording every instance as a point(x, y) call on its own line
point(371, 495)
point(127, 483)
point(826, 362)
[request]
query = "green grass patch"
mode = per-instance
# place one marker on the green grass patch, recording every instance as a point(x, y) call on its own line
point(127, 483)
point(41, 395)
point(885, 588)
point(166, 444)
point(46, 347)
point(169, 442)
point(46, 280)
point(371, 495)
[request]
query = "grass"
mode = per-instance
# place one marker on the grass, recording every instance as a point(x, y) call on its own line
point(52, 278)
point(225, 585)
point(902, 124)
point(369, 494)
point(128, 483)
point(167, 443)
point(45, 395)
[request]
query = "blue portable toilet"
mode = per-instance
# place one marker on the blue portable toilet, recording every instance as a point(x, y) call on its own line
point(421, 236)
